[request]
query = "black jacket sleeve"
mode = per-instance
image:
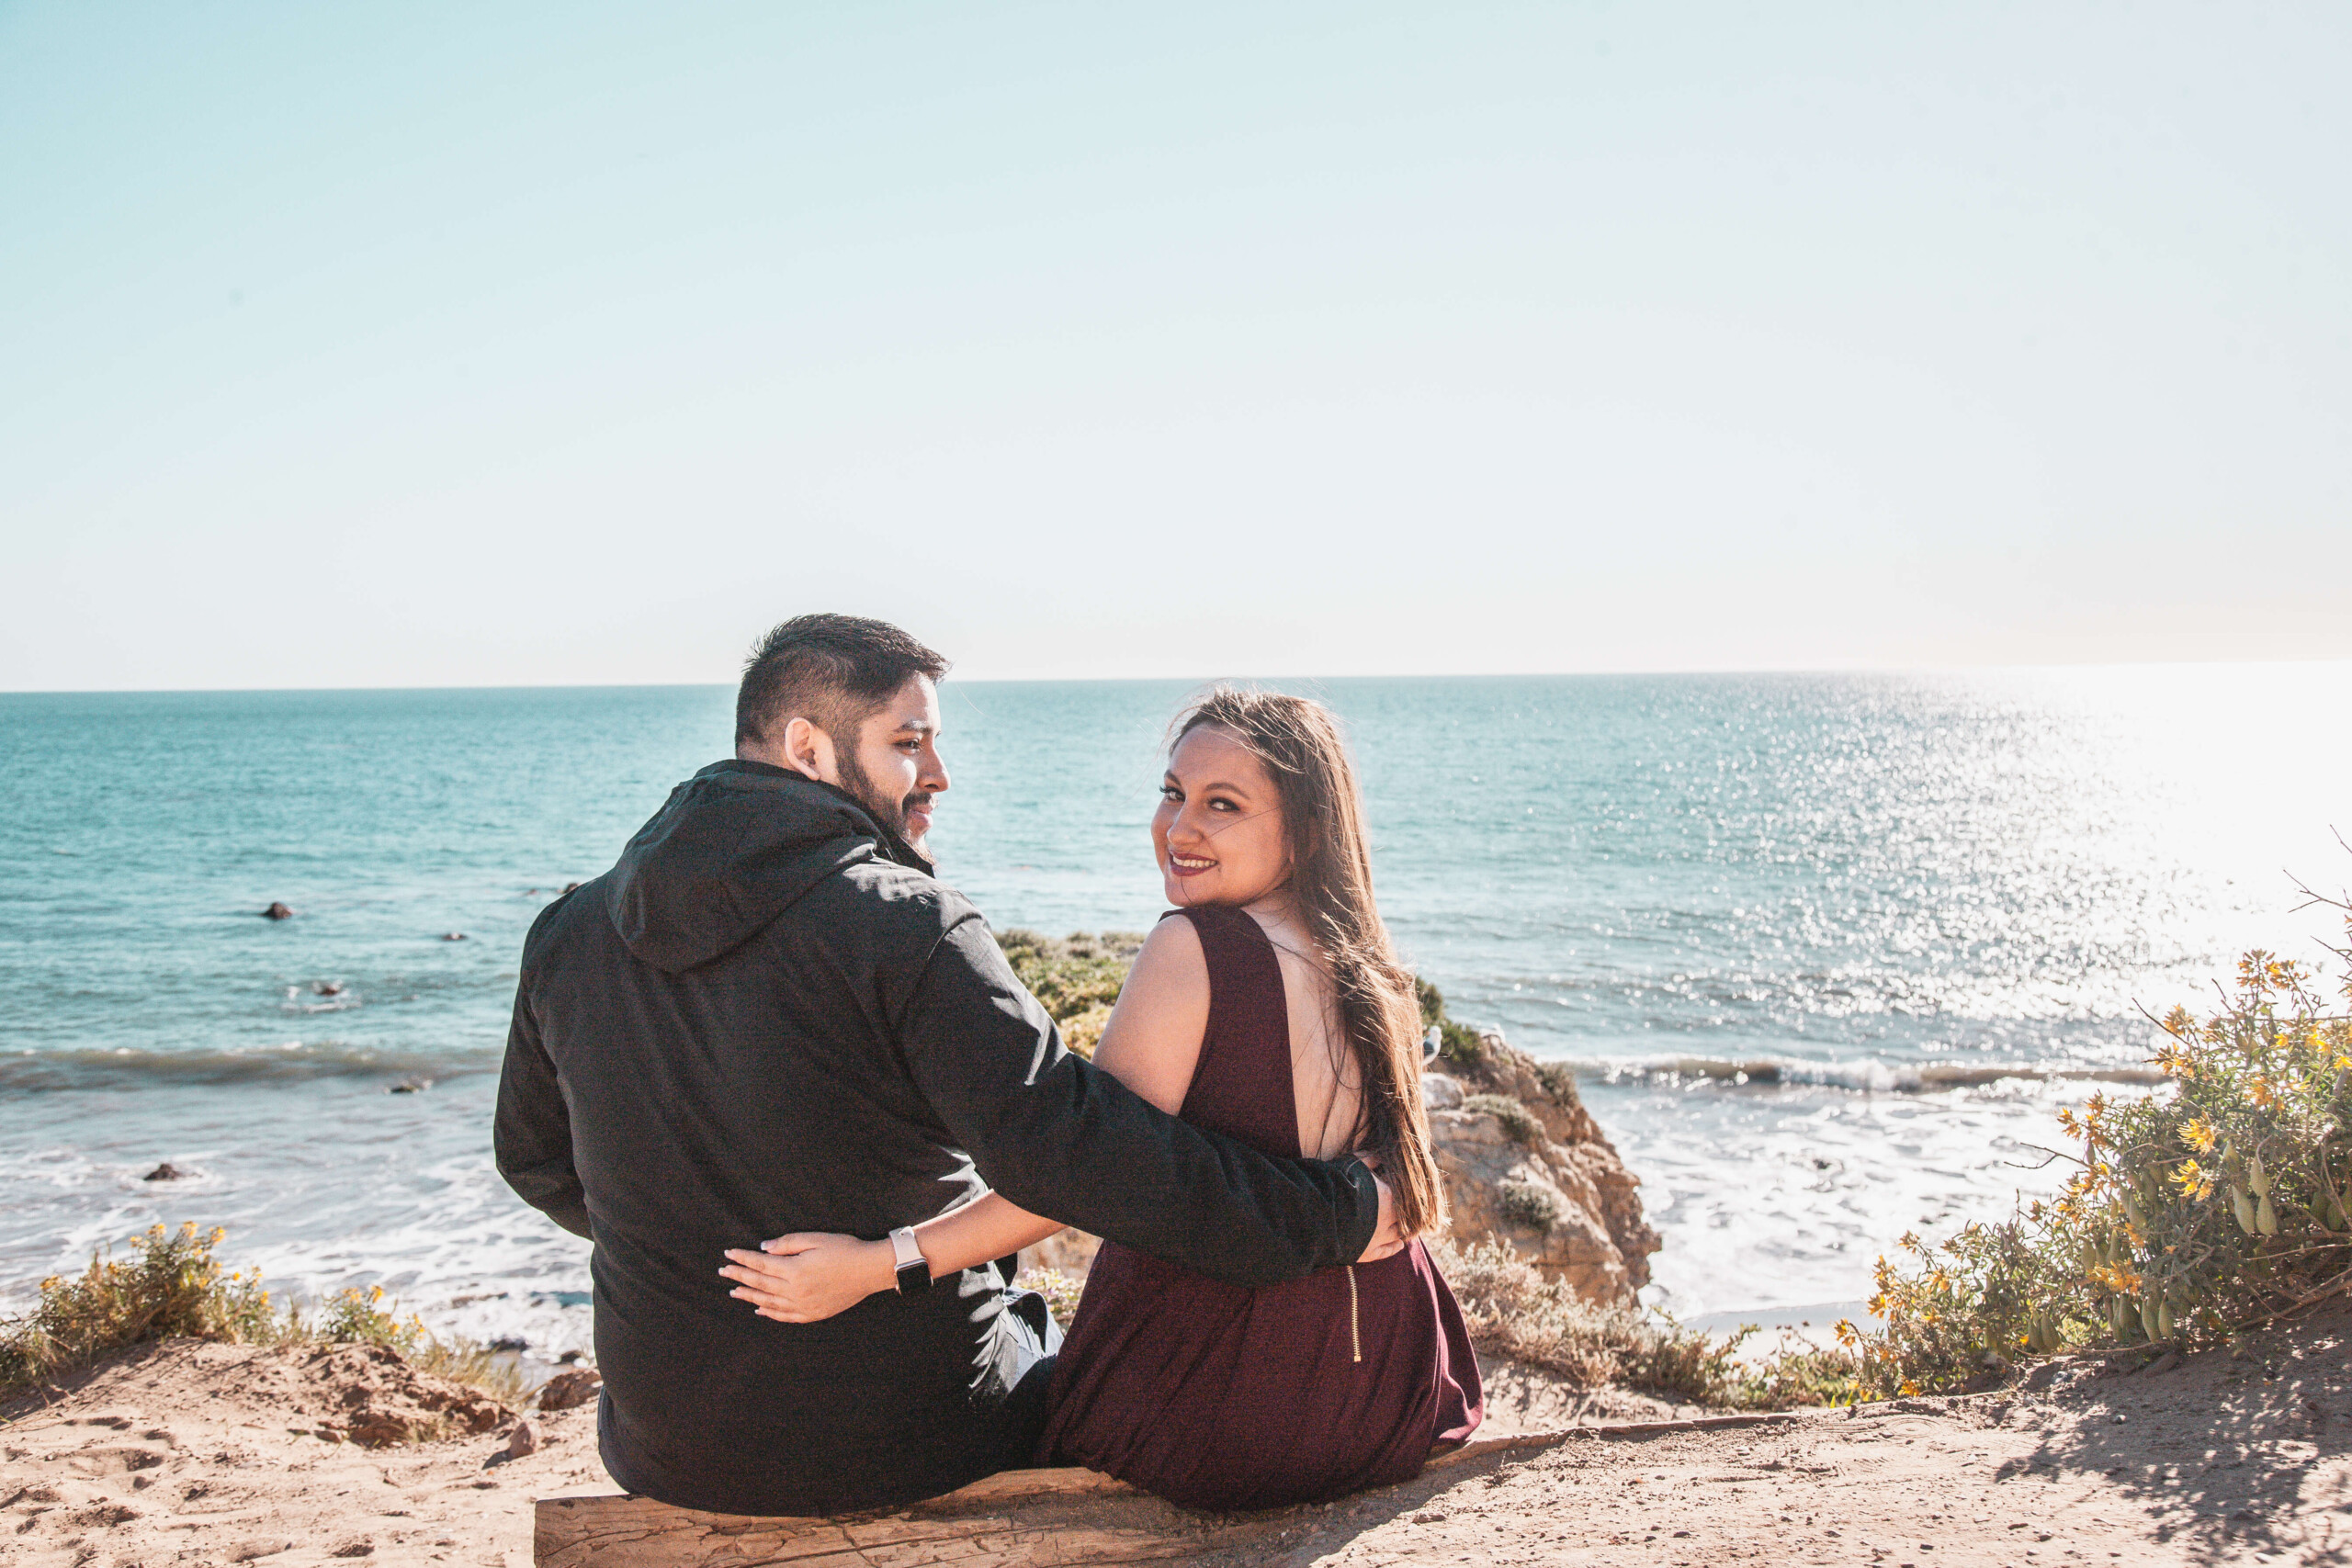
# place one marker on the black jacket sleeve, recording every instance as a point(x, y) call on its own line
point(1061, 1138)
point(533, 1133)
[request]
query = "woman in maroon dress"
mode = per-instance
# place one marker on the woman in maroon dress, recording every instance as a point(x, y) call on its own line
point(1267, 1006)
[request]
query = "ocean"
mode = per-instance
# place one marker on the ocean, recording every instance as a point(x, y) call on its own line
point(1826, 951)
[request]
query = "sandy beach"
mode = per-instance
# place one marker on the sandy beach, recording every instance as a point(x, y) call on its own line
point(192, 1453)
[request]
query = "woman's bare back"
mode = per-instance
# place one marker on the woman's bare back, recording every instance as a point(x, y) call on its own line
point(1327, 1085)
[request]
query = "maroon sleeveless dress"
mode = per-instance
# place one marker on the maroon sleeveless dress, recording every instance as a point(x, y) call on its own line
point(1223, 1397)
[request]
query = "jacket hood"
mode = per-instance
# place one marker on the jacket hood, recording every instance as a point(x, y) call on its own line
point(733, 848)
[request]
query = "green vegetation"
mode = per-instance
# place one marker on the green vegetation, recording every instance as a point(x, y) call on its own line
point(1517, 1120)
point(1458, 1044)
point(2219, 1203)
point(1524, 1203)
point(1061, 1292)
point(1514, 1309)
point(2194, 1213)
point(176, 1287)
point(1075, 978)
point(366, 1317)
point(2190, 1216)
point(1559, 1081)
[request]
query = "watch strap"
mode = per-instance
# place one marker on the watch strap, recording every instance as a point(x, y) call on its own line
point(912, 1268)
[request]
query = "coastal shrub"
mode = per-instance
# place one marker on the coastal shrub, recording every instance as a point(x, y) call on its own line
point(176, 1287)
point(1524, 1203)
point(1084, 1032)
point(1514, 1309)
point(2214, 1204)
point(1076, 979)
point(1060, 1289)
point(1559, 1081)
point(1518, 1121)
point(355, 1316)
point(1458, 1044)
point(361, 1318)
point(476, 1366)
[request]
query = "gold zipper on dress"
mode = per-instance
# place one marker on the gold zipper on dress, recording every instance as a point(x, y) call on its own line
point(1355, 1334)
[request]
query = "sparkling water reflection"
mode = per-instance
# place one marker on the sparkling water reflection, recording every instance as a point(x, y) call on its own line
point(1871, 889)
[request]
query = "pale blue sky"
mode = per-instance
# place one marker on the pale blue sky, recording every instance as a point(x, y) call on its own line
point(416, 344)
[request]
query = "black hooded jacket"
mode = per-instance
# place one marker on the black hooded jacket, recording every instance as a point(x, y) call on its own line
point(769, 1017)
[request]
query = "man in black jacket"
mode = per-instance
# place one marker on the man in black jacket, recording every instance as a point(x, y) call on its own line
point(769, 1017)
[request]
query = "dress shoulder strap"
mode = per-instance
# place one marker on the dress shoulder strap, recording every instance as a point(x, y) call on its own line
point(1243, 1085)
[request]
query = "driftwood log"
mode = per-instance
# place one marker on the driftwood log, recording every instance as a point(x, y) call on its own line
point(1022, 1518)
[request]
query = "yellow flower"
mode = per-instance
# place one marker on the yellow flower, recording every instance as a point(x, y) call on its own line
point(2201, 1137)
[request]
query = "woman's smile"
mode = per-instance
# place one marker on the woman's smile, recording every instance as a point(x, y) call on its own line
point(1218, 792)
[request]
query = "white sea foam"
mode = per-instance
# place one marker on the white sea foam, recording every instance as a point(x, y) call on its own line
point(1781, 1195)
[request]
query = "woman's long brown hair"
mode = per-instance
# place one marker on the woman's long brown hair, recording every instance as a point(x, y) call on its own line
point(1330, 882)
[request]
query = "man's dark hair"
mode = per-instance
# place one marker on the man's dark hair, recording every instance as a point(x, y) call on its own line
point(833, 671)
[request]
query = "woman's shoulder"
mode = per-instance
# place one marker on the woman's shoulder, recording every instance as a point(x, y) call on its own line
point(1226, 937)
point(1173, 948)
point(1153, 1042)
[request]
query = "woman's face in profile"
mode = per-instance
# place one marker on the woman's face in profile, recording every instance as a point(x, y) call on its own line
point(1219, 831)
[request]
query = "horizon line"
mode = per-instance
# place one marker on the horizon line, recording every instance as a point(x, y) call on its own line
point(1923, 668)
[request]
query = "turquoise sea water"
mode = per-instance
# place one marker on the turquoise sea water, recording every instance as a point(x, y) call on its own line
point(1825, 949)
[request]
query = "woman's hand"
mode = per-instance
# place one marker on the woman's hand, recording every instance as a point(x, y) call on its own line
point(810, 1276)
point(1386, 1240)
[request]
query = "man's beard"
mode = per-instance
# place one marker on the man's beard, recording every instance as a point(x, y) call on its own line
point(891, 814)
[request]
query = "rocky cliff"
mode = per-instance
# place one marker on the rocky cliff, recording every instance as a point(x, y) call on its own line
point(1522, 1158)
point(1526, 1163)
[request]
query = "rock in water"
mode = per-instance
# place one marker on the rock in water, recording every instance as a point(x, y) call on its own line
point(277, 912)
point(566, 1390)
point(453, 936)
point(166, 1171)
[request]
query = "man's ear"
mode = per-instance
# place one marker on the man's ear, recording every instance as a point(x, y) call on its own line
point(808, 750)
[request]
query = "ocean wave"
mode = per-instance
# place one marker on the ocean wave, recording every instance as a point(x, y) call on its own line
point(1868, 1078)
point(294, 1061)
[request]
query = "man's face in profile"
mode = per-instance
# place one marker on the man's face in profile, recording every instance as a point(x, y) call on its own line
point(894, 768)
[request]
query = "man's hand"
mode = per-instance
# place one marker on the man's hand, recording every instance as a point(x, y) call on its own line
point(1386, 1241)
point(810, 1276)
